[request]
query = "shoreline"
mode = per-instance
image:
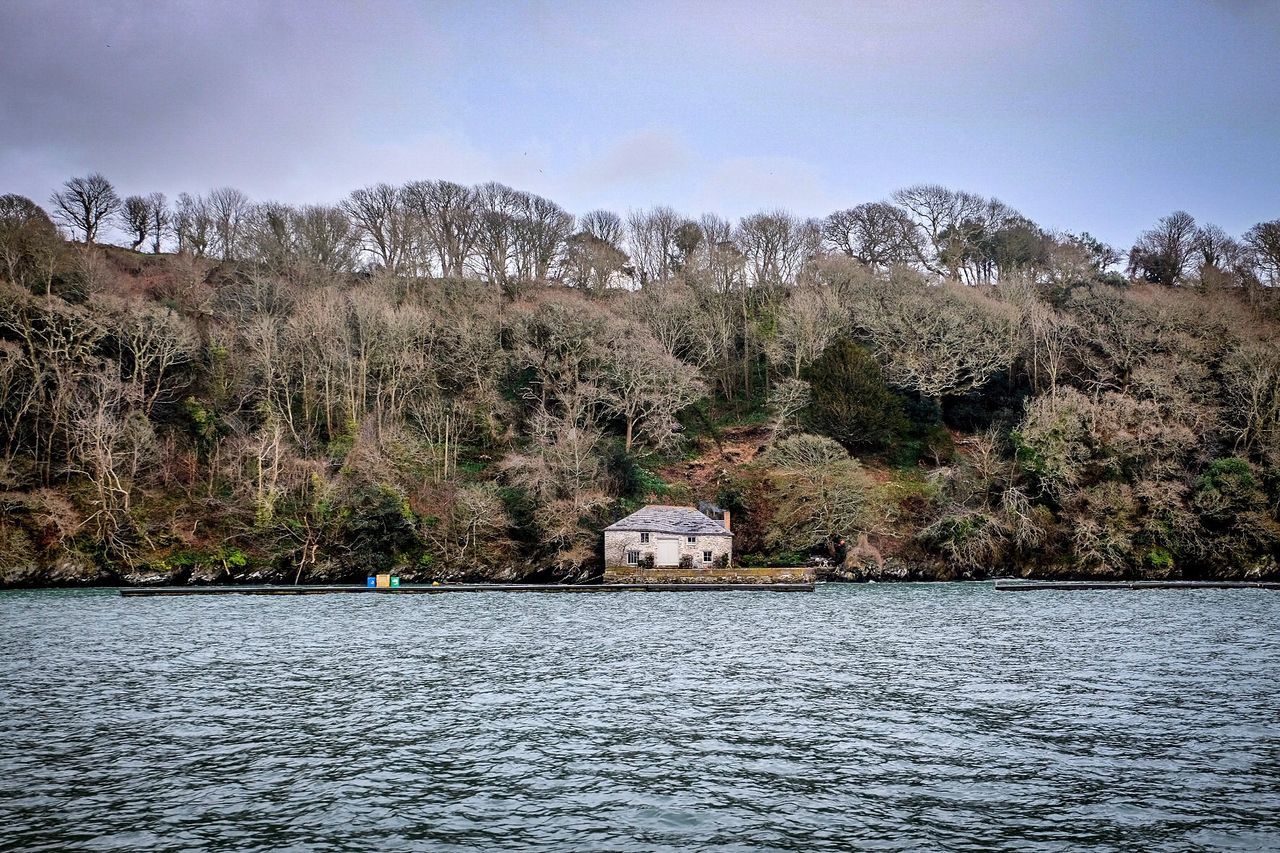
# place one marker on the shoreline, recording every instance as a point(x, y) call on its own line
point(1041, 586)
point(997, 585)
point(425, 589)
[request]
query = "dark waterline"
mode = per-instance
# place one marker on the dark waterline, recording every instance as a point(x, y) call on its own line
point(893, 717)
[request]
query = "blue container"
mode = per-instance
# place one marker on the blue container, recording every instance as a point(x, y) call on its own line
point(372, 581)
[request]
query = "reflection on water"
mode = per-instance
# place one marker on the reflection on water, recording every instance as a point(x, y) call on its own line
point(894, 717)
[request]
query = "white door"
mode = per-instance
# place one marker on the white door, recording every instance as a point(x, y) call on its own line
point(668, 553)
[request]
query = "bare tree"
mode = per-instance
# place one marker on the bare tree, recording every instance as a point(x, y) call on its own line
point(442, 422)
point(193, 225)
point(940, 215)
point(301, 243)
point(1101, 255)
point(563, 342)
point(54, 348)
point(719, 275)
point(263, 469)
point(325, 238)
point(541, 231)
point(153, 344)
point(604, 225)
point(787, 399)
point(939, 342)
point(446, 213)
point(380, 214)
point(1253, 397)
point(112, 444)
point(1048, 340)
point(160, 219)
point(270, 238)
point(468, 528)
point(1070, 258)
point(824, 493)
point(83, 204)
point(498, 210)
point(590, 263)
point(1163, 254)
point(1263, 241)
point(593, 257)
point(651, 236)
point(720, 264)
point(561, 470)
point(678, 318)
point(877, 234)
point(808, 321)
point(29, 242)
point(646, 387)
point(776, 245)
point(1214, 246)
point(135, 219)
point(229, 208)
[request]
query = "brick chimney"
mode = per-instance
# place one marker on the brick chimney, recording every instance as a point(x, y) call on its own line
point(726, 521)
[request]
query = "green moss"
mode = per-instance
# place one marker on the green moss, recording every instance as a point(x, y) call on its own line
point(202, 423)
point(957, 531)
point(226, 558)
point(340, 445)
point(1028, 456)
point(1227, 491)
point(650, 482)
point(1233, 470)
point(909, 491)
point(778, 558)
point(850, 400)
point(473, 467)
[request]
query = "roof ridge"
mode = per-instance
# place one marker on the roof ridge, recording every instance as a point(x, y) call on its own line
point(671, 518)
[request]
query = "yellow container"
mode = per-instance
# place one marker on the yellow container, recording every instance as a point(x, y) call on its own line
point(384, 581)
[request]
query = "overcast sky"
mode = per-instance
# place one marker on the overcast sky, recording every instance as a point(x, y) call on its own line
point(1084, 116)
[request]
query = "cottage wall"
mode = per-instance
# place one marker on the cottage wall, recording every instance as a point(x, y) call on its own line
point(618, 542)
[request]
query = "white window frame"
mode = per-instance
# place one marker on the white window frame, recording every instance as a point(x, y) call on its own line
point(633, 558)
point(706, 556)
point(644, 538)
point(692, 540)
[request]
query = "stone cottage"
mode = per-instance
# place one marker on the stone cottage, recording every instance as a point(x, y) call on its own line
point(665, 537)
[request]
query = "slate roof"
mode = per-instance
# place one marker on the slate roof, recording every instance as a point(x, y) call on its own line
point(684, 520)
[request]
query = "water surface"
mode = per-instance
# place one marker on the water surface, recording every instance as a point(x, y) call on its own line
point(881, 717)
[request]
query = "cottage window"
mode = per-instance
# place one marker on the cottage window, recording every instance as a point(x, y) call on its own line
point(706, 556)
point(692, 540)
point(644, 538)
point(633, 558)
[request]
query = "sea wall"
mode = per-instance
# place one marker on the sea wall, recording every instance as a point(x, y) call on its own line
point(633, 574)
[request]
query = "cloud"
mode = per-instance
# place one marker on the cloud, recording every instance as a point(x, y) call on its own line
point(360, 162)
point(744, 185)
point(644, 157)
point(1076, 112)
point(189, 96)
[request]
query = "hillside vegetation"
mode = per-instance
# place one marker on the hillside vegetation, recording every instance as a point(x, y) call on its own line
point(469, 383)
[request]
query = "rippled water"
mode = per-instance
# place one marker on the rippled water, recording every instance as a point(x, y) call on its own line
point(886, 717)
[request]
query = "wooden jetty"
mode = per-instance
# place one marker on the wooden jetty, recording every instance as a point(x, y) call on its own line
point(1033, 586)
point(428, 589)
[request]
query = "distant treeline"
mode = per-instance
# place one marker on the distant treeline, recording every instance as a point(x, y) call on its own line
point(470, 382)
point(505, 236)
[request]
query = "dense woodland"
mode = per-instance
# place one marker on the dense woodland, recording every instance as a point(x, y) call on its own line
point(470, 382)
